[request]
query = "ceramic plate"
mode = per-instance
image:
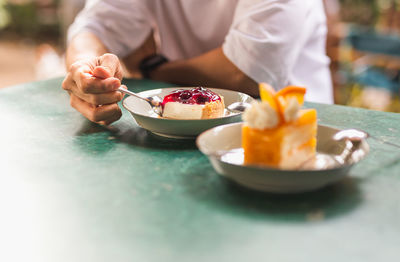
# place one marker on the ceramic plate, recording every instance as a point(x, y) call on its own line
point(222, 145)
point(173, 128)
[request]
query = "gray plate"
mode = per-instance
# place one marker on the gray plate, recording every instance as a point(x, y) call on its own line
point(222, 145)
point(173, 128)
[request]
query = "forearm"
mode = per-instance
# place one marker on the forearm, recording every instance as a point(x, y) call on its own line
point(84, 46)
point(211, 69)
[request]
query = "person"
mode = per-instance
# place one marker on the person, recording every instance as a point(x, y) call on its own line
point(336, 32)
point(231, 44)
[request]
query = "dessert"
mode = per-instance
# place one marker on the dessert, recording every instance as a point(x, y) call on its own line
point(276, 132)
point(195, 103)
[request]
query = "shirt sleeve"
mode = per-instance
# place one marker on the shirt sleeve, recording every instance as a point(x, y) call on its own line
point(121, 25)
point(265, 39)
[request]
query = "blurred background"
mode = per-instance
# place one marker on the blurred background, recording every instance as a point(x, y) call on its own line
point(363, 44)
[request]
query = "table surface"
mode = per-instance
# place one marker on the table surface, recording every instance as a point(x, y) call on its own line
point(71, 190)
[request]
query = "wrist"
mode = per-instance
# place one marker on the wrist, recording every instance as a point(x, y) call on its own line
point(158, 74)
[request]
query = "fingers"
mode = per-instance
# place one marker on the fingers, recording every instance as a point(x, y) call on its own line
point(110, 120)
point(105, 99)
point(101, 75)
point(101, 72)
point(105, 114)
point(97, 98)
point(100, 99)
point(86, 83)
point(108, 66)
point(93, 85)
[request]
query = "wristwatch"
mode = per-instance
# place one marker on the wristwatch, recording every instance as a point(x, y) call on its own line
point(150, 63)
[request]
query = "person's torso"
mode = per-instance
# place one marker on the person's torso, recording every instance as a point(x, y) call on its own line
point(188, 28)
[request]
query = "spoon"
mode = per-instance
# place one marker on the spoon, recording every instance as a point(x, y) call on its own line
point(353, 135)
point(238, 107)
point(154, 101)
point(353, 138)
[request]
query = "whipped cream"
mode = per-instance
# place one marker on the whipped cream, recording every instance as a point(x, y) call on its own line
point(261, 116)
point(292, 110)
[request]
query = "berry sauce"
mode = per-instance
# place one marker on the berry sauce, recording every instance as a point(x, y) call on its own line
point(198, 95)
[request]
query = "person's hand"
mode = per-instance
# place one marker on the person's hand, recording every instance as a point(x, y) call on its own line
point(92, 86)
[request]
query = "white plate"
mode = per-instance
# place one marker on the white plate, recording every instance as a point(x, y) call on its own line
point(174, 128)
point(222, 145)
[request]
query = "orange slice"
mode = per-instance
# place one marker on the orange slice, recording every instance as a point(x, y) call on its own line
point(268, 94)
point(292, 91)
point(284, 95)
point(306, 116)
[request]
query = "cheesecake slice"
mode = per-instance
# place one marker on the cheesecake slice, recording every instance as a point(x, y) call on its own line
point(276, 132)
point(195, 103)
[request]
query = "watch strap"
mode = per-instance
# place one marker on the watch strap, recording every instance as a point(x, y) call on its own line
point(150, 63)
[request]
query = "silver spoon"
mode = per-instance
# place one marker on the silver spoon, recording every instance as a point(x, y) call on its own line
point(238, 107)
point(353, 135)
point(154, 101)
point(356, 136)
point(353, 138)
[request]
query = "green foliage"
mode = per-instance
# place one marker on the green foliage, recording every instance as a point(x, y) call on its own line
point(23, 18)
point(4, 17)
point(364, 12)
point(26, 20)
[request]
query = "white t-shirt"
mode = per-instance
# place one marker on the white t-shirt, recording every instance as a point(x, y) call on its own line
point(281, 42)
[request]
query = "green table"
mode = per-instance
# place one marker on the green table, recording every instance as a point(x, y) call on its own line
point(74, 191)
